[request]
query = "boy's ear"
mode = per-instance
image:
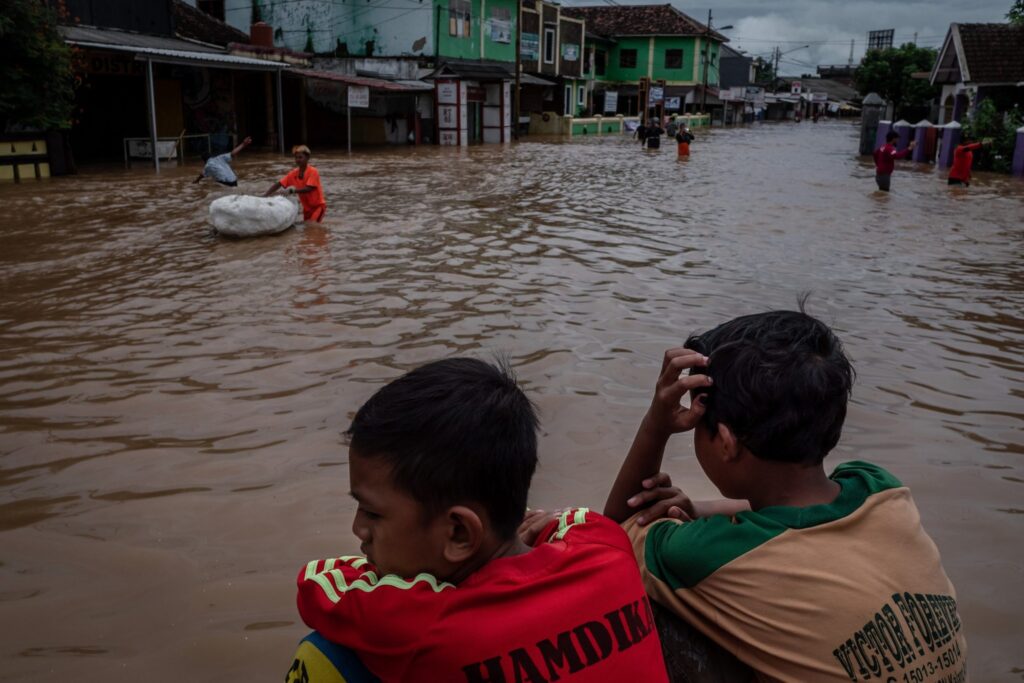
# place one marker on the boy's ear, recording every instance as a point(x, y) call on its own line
point(465, 534)
point(731, 447)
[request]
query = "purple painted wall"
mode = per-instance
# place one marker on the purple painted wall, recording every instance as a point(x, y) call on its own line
point(1018, 153)
point(950, 139)
point(883, 129)
point(920, 153)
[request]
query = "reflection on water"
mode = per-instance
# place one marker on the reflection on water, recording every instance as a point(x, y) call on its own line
point(171, 403)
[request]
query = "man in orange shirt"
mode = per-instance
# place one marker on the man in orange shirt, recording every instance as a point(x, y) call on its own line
point(963, 157)
point(305, 182)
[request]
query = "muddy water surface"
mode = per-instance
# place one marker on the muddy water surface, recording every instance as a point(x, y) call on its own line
point(171, 403)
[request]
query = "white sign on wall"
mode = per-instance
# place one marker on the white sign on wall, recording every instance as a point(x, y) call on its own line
point(358, 96)
point(446, 116)
point(611, 101)
point(672, 103)
point(795, 87)
point(447, 92)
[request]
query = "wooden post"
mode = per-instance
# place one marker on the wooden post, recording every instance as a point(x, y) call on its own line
point(280, 114)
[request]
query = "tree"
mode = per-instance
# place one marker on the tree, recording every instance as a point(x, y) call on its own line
point(36, 75)
point(1016, 13)
point(890, 73)
point(987, 122)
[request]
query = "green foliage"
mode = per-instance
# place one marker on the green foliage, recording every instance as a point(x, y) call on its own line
point(988, 122)
point(890, 72)
point(1016, 13)
point(36, 76)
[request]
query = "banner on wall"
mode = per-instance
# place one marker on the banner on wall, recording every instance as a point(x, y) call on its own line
point(529, 49)
point(358, 96)
point(611, 101)
point(672, 103)
point(501, 31)
point(570, 52)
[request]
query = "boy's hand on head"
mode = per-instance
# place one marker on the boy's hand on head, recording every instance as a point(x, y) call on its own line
point(533, 523)
point(666, 415)
point(662, 500)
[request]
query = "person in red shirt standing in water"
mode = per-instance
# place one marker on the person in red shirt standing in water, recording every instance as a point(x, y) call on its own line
point(963, 157)
point(885, 160)
point(305, 182)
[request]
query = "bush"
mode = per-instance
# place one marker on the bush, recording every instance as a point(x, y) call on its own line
point(1001, 127)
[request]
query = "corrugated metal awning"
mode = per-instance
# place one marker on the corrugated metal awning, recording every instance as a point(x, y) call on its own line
point(530, 79)
point(185, 54)
point(371, 83)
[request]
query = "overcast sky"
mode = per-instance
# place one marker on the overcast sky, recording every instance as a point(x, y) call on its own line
point(828, 26)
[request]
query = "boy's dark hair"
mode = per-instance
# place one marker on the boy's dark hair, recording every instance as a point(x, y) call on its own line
point(891, 135)
point(453, 431)
point(781, 384)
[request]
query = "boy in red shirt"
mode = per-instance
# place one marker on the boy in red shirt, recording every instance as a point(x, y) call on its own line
point(885, 160)
point(963, 157)
point(455, 584)
point(305, 182)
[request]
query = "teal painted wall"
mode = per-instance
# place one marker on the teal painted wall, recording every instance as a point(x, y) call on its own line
point(691, 71)
point(614, 72)
point(661, 46)
point(468, 47)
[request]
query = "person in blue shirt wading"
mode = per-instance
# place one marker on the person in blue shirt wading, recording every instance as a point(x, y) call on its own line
point(219, 167)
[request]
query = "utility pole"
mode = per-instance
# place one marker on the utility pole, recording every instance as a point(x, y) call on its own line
point(519, 67)
point(849, 62)
point(707, 54)
point(775, 70)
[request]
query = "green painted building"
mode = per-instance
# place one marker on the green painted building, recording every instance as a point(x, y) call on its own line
point(628, 42)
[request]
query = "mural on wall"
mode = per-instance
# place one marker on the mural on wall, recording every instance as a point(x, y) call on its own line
point(207, 96)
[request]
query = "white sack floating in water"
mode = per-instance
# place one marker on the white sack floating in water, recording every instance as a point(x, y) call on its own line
point(242, 215)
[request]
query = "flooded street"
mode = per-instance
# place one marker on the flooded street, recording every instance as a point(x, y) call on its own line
point(171, 402)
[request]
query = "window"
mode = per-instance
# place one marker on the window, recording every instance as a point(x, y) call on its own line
point(673, 59)
point(567, 106)
point(600, 62)
point(458, 18)
point(549, 46)
point(627, 59)
point(581, 95)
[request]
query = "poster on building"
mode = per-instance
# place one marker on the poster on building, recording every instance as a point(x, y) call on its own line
point(611, 101)
point(795, 88)
point(529, 46)
point(501, 31)
point(358, 96)
point(446, 116)
point(448, 138)
point(447, 92)
point(656, 95)
point(570, 52)
point(672, 103)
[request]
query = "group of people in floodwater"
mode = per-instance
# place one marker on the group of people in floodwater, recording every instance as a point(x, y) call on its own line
point(886, 154)
point(649, 134)
point(796, 574)
point(303, 180)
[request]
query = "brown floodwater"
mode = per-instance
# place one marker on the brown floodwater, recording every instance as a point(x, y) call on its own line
point(171, 402)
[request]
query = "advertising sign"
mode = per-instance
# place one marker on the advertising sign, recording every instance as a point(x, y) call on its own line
point(447, 92)
point(501, 31)
point(611, 101)
point(795, 88)
point(570, 52)
point(656, 95)
point(529, 46)
point(672, 103)
point(358, 96)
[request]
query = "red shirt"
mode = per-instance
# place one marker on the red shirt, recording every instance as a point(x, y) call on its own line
point(963, 157)
point(571, 609)
point(885, 158)
point(311, 178)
